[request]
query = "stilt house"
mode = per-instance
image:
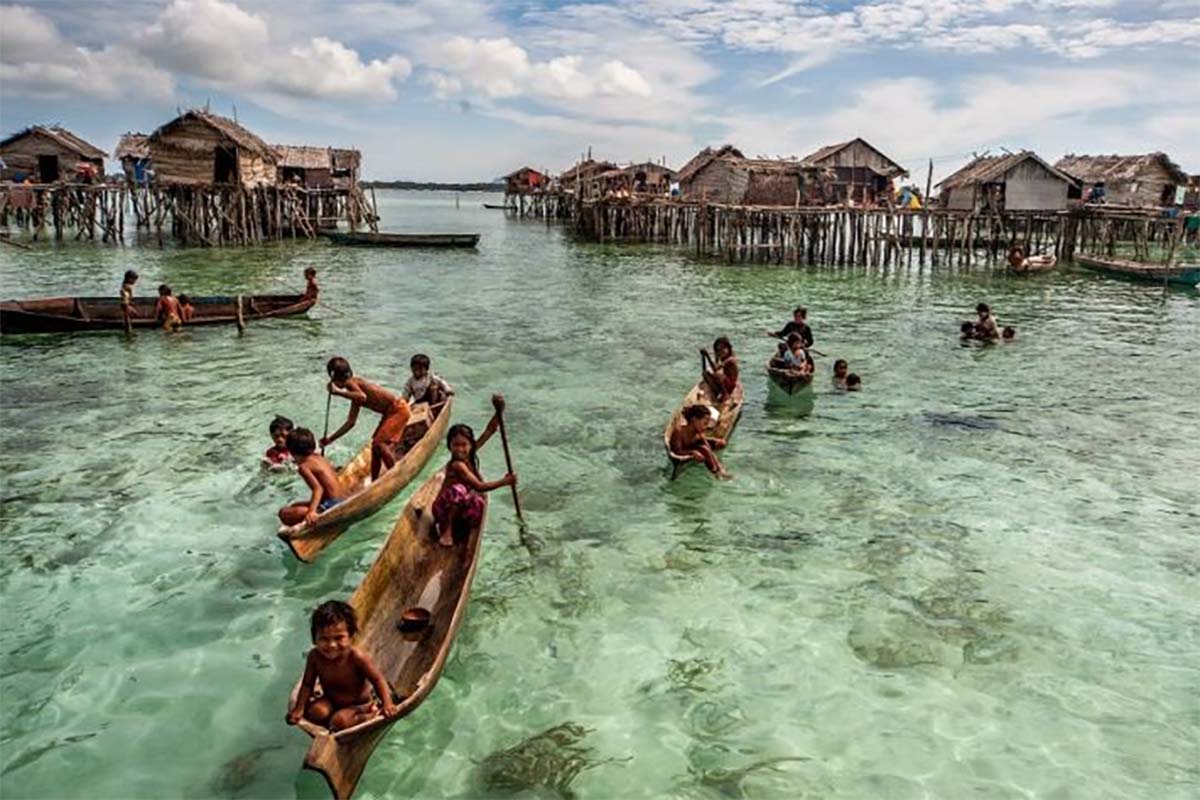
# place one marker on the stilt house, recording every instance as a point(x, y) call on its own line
point(1146, 181)
point(526, 180)
point(577, 179)
point(1010, 182)
point(199, 148)
point(862, 174)
point(49, 154)
point(726, 176)
point(133, 151)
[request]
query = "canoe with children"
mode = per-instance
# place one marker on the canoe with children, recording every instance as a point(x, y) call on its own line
point(405, 439)
point(705, 420)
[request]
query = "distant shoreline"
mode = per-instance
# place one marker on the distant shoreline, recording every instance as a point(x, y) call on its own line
point(434, 187)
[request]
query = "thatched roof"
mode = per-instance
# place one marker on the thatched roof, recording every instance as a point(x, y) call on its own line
point(646, 166)
point(63, 137)
point(132, 145)
point(303, 156)
point(584, 169)
point(1114, 169)
point(223, 125)
point(704, 158)
point(833, 149)
point(987, 169)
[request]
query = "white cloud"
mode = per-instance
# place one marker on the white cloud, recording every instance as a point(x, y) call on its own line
point(221, 44)
point(36, 60)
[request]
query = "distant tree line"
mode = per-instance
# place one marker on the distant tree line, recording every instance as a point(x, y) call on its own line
point(491, 186)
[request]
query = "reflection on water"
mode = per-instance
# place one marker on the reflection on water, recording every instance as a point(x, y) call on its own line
point(973, 578)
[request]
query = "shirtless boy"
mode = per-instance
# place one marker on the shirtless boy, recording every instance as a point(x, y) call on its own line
point(318, 473)
point(691, 441)
point(392, 410)
point(167, 310)
point(347, 674)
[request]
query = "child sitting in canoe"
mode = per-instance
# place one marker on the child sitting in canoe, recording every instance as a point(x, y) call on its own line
point(691, 439)
point(279, 455)
point(347, 674)
point(186, 309)
point(318, 473)
point(840, 372)
point(166, 310)
point(425, 386)
point(722, 358)
point(460, 500)
point(393, 412)
point(311, 290)
point(797, 358)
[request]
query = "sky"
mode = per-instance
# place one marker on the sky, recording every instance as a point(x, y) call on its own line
point(465, 90)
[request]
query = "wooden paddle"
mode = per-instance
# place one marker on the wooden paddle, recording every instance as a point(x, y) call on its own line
point(328, 403)
point(809, 349)
point(498, 404)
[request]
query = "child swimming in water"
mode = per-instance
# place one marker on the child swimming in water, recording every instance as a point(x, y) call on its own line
point(347, 674)
point(279, 455)
point(318, 473)
point(840, 370)
point(853, 383)
point(460, 500)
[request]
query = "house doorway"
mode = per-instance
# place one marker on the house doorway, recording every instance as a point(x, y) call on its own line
point(48, 168)
point(225, 165)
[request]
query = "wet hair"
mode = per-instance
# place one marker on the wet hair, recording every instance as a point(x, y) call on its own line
point(164, 290)
point(331, 612)
point(464, 430)
point(281, 424)
point(967, 328)
point(982, 308)
point(853, 380)
point(130, 276)
point(339, 368)
point(696, 412)
point(841, 362)
point(801, 310)
point(301, 442)
point(183, 298)
point(419, 360)
point(1008, 332)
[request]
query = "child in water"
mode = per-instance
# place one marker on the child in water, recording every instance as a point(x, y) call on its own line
point(166, 310)
point(279, 455)
point(347, 674)
point(985, 326)
point(460, 500)
point(1009, 333)
point(691, 440)
point(311, 290)
point(840, 371)
point(393, 412)
point(853, 383)
point(318, 473)
point(186, 309)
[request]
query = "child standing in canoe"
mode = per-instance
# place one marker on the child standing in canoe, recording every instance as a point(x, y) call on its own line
point(392, 410)
point(347, 674)
point(318, 473)
point(460, 499)
point(311, 290)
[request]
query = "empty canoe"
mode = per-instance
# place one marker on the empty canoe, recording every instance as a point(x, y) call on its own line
point(406, 239)
point(1140, 270)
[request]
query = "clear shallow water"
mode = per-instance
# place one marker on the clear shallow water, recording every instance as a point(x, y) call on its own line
point(979, 577)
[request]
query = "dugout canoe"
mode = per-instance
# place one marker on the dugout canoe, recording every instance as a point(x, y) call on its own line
point(494, 206)
point(423, 432)
point(405, 239)
point(77, 314)
point(1035, 264)
point(729, 411)
point(788, 380)
point(411, 571)
point(1141, 271)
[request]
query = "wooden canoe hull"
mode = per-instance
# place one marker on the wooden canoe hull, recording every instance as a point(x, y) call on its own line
point(1039, 264)
point(788, 380)
point(730, 410)
point(1139, 271)
point(307, 542)
point(78, 314)
point(411, 570)
point(405, 239)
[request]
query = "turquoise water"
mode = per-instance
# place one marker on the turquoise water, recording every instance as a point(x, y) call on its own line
point(980, 577)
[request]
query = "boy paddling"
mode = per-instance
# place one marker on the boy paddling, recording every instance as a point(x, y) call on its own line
point(392, 410)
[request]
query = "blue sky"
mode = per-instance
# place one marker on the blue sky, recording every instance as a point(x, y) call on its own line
point(470, 89)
